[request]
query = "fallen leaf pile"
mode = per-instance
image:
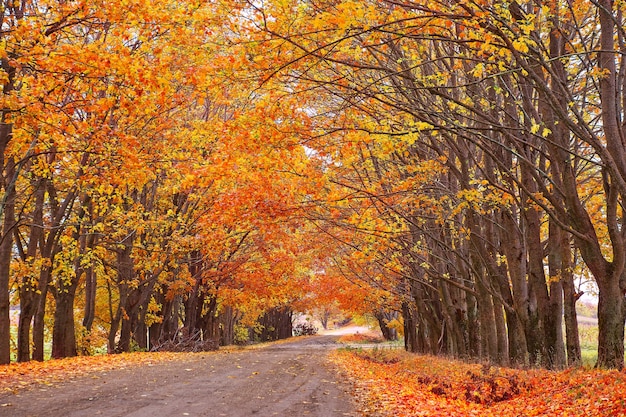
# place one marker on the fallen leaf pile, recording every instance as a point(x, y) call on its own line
point(393, 383)
point(360, 338)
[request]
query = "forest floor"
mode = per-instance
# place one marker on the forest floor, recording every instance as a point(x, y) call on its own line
point(291, 378)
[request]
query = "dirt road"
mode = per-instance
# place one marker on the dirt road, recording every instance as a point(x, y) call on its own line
point(288, 379)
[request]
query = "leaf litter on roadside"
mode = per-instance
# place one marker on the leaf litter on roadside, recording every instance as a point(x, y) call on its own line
point(394, 383)
point(16, 376)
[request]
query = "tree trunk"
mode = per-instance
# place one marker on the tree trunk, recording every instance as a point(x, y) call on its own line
point(29, 296)
point(450, 311)
point(167, 328)
point(90, 298)
point(429, 330)
point(140, 331)
point(193, 307)
point(325, 317)
point(554, 328)
point(517, 350)
point(27, 311)
point(536, 333)
point(39, 323)
point(572, 339)
point(123, 344)
point(6, 247)
point(502, 356)
point(410, 327)
point(227, 326)
point(458, 314)
point(611, 317)
point(473, 326)
point(126, 274)
point(489, 339)
point(384, 317)
point(114, 327)
point(276, 324)
point(133, 321)
point(7, 212)
point(63, 331)
point(514, 251)
point(210, 323)
point(611, 306)
point(518, 353)
point(556, 347)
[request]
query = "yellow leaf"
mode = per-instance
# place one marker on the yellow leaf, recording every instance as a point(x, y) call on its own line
point(520, 45)
point(534, 128)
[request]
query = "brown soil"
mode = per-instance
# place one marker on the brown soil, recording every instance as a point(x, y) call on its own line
point(286, 379)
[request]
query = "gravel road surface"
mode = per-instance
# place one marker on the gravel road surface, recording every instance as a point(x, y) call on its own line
point(285, 379)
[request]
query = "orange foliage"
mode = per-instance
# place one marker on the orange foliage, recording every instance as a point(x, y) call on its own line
point(361, 338)
point(399, 384)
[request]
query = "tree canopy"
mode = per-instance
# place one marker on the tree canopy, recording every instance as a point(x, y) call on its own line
point(198, 168)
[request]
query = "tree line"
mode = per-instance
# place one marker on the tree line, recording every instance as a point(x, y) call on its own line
point(146, 196)
point(179, 167)
point(476, 155)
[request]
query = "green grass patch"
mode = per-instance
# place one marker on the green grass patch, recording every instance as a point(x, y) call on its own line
point(588, 357)
point(47, 347)
point(588, 334)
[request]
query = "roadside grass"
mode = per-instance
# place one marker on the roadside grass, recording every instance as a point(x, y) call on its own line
point(47, 347)
point(13, 343)
point(369, 340)
point(588, 334)
point(588, 357)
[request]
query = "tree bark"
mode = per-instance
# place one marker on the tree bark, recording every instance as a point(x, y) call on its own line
point(536, 333)
point(410, 327)
point(554, 329)
point(276, 324)
point(572, 339)
point(6, 247)
point(227, 318)
point(502, 341)
point(611, 317)
point(29, 296)
point(63, 331)
point(384, 317)
point(90, 298)
point(611, 308)
point(39, 323)
point(488, 335)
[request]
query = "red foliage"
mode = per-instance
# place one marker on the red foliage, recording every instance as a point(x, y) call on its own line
point(399, 384)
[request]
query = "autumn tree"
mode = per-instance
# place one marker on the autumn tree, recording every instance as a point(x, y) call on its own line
point(520, 110)
point(132, 168)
